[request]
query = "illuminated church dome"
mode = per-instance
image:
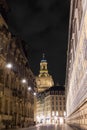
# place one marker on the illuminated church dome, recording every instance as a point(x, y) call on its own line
point(44, 80)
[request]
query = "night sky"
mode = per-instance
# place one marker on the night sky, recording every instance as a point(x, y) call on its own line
point(43, 25)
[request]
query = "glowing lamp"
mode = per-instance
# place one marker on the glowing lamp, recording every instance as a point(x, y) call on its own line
point(9, 65)
point(24, 81)
point(29, 88)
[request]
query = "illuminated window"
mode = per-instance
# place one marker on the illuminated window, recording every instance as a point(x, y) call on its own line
point(64, 113)
point(53, 113)
point(56, 113)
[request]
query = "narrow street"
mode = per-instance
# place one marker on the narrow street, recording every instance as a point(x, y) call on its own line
point(53, 127)
point(49, 127)
point(43, 65)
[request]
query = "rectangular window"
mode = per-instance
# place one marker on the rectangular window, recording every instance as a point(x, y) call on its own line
point(7, 81)
point(6, 107)
point(60, 98)
point(60, 103)
point(56, 113)
point(52, 108)
point(53, 113)
point(10, 107)
point(52, 103)
point(60, 108)
point(0, 104)
point(56, 108)
point(1, 76)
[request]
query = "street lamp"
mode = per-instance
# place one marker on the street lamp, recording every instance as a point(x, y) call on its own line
point(29, 88)
point(9, 65)
point(34, 94)
point(24, 81)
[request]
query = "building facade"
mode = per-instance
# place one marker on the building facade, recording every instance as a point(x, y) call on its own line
point(76, 71)
point(51, 106)
point(44, 80)
point(16, 102)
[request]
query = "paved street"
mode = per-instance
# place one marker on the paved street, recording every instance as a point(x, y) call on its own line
point(53, 127)
point(49, 127)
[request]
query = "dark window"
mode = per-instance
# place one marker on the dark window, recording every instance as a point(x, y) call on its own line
point(0, 104)
point(1, 76)
point(7, 81)
point(60, 98)
point(52, 108)
point(64, 98)
point(52, 103)
point(60, 103)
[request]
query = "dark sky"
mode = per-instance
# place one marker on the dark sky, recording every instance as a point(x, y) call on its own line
point(43, 25)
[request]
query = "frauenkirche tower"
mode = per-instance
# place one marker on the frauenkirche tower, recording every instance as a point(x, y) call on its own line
point(44, 80)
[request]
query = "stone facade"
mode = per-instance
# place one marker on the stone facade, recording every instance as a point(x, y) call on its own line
point(43, 82)
point(76, 71)
point(16, 102)
point(51, 106)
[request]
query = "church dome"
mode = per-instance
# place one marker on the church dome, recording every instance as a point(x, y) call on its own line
point(44, 80)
